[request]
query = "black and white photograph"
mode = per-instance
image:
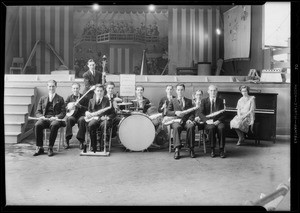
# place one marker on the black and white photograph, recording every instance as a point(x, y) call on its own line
point(177, 104)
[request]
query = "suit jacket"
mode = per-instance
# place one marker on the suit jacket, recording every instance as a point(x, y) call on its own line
point(205, 109)
point(93, 107)
point(162, 101)
point(58, 106)
point(146, 104)
point(90, 80)
point(175, 106)
point(84, 102)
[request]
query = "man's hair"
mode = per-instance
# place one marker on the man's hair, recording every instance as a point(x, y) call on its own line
point(90, 60)
point(100, 86)
point(140, 87)
point(199, 91)
point(76, 83)
point(180, 85)
point(169, 85)
point(110, 83)
point(244, 87)
point(213, 86)
point(52, 81)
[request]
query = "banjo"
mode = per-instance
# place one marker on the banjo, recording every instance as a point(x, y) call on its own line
point(71, 106)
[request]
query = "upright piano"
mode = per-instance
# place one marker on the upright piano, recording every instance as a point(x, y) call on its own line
point(265, 114)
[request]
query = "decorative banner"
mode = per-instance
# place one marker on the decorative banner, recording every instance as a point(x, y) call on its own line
point(237, 31)
point(127, 85)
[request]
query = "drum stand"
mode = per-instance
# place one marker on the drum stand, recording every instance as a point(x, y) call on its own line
point(104, 153)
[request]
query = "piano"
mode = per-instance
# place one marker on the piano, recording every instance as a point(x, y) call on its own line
point(265, 115)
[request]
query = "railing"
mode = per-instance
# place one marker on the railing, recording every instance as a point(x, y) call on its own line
point(126, 37)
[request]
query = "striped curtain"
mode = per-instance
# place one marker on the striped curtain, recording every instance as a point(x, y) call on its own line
point(51, 24)
point(192, 36)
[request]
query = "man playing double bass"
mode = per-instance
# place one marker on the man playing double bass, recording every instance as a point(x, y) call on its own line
point(77, 105)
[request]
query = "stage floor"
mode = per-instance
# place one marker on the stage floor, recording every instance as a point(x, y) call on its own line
point(146, 178)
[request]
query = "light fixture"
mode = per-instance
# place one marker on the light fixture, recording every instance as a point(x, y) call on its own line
point(96, 7)
point(151, 7)
point(218, 31)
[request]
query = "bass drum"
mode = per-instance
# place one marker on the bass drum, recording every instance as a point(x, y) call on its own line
point(136, 132)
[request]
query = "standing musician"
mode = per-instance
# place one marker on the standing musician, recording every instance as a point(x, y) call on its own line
point(164, 101)
point(175, 108)
point(99, 106)
point(215, 124)
point(91, 77)
point(49, 109)
point(141, 102)
point(77, 116)
point(114, 99)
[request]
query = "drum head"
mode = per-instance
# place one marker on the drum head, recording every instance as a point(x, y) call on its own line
point(136, 132)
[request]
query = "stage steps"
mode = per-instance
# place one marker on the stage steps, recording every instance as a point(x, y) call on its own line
point(19, 102)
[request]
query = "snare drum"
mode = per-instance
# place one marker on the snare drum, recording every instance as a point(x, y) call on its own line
point(136, 132)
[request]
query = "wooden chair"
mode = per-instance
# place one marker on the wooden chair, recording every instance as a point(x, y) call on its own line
point(201, 135)
point(17, 64)
point(61, 134)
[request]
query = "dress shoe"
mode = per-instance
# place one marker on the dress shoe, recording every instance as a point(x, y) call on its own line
point(67, 145)
point(38, 151)
point(213, 154)
point(222, 154)
point(84, 148)
point(192, 153)
point(176, 154)
point(50, 152)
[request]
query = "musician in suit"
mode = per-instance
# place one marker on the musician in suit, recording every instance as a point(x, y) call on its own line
point(197, 97)
point(99, 106)
point(164, 101)
point(50, 108)
point(91, 77)
point(175, 108)
point(77, 116)
point(214, 125)
point(114, 100)
point(142, 103)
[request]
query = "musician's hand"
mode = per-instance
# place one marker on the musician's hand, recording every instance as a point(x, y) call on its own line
point(189, 122)
point(197, 119)
point(78, 105)
point(88, 114)
point(216, 122)
point(210, 121)
point(179, 113)
point(52, 118)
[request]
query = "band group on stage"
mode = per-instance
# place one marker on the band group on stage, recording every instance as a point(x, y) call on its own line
point(99, 108)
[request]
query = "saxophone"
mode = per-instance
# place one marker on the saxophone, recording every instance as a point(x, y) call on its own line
point(168, 120)
point(97, 114)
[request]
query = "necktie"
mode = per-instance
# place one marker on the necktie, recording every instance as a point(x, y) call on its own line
point(213, 106)
point(180, 103)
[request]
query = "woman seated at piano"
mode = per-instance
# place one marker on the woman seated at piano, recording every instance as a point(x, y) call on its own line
point(140, 103)
point(245, 114)
point(100, 108)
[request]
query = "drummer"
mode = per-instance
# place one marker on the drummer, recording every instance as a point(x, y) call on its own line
point(110, 86)
point(164, 101)
point(140, 103)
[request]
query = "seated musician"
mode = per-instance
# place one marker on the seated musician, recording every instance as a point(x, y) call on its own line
point(99, 106)
point(141, 103)
point(175, 108)
point(164, 101)
point(91, 77)
point(214, 125)
point(76, 112)
point(50, 108)
point(114, 99)
point(245, 114)
point(197, 97)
